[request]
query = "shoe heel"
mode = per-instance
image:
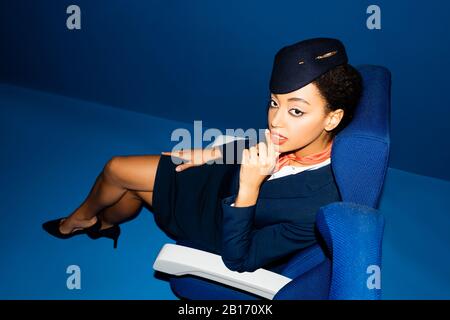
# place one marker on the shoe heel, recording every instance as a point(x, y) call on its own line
point(115, 235)
point(115, 242)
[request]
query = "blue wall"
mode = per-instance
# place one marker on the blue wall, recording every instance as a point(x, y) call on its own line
point(211, 60)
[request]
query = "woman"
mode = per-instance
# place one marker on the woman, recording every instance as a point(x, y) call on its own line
point(253, 213)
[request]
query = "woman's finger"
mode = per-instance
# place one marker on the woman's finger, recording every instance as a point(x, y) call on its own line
point(273, 149)
point(254, 155)
point(262, 150)
point(270, 149)
point(169, 153)
point(245, 155)
point(178, 154)
point(184, 166)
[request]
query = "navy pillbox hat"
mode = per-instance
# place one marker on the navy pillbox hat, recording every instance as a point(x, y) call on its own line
point(298, 64)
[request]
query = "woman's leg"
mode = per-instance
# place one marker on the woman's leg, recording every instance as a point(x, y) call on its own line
point(120, 174)
point(125, 209)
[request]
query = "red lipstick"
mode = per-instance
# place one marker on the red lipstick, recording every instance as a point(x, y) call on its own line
point(278, 138)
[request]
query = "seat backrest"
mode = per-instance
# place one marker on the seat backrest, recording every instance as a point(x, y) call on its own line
point(353, 228)
point(360, 153)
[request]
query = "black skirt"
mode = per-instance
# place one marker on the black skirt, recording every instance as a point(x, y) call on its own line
point(187, 204)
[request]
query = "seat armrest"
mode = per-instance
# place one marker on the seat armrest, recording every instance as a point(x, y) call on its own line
point(353, 234)
point(181, 260)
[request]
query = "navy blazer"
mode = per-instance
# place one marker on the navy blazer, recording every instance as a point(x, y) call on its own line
point(280, 223)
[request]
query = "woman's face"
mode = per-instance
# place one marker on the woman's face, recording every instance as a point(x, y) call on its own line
point(300, 116)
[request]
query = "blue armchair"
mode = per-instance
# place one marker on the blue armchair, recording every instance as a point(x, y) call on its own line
point(347, 264)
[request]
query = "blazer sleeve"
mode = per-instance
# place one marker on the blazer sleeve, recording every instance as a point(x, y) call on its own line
point(245, 248)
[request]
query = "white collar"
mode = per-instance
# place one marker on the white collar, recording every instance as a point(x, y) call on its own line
point(287, 170)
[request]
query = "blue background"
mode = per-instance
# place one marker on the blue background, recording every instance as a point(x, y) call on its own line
point(138, 69)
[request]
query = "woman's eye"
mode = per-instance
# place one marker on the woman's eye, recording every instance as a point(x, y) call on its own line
point(272, 103)
point(296, 112)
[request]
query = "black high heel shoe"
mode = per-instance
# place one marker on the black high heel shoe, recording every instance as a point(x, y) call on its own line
point(52, 227)
point(111, 233)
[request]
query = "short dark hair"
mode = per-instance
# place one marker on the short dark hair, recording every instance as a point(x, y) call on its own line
point(342, 88)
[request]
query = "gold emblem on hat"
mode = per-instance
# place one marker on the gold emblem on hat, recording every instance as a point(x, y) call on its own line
point(326, 55)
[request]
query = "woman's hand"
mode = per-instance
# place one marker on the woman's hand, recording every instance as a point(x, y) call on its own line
point(257, 163)
point(194, 157)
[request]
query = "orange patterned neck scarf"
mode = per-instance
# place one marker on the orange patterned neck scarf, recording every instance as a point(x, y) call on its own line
point(306, 160)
